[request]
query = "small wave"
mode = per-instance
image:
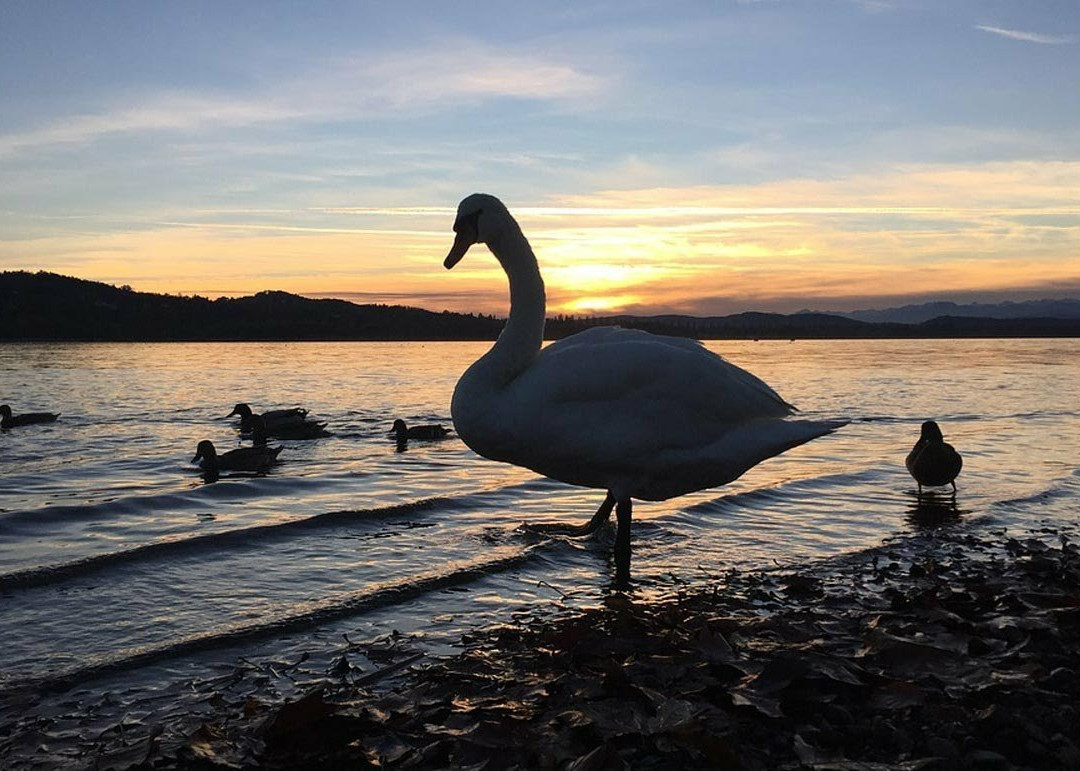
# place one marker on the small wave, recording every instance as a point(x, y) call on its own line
point(755, 498)
point(316, 614)
point(248, 536)
point(1041, 498)
point(1042, 414)
point(114, 506)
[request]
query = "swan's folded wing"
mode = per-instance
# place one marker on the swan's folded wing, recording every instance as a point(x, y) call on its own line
point(629, 368)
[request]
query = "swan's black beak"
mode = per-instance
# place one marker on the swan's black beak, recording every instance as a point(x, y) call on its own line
point(468, 233)
point(462, 242)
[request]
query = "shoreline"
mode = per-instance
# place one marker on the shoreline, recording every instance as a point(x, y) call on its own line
point(951, 648)
point(398, 340)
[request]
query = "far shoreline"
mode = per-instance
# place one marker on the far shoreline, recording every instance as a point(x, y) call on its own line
point(323, 340)
point(44, 307)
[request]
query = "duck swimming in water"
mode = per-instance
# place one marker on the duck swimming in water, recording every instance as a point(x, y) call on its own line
point(634, 414)
point(401, 431)
point(290, 415)
point(256, 459)
point(8, 420)
point(933, 461)
point(289, 423)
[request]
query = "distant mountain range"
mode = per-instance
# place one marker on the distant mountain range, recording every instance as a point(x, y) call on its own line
point(917, 314)
point(47, 306)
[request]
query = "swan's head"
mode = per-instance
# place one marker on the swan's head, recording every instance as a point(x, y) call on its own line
point(478, 217)
point(205, 451)
point(931, 432)
point(243, 410)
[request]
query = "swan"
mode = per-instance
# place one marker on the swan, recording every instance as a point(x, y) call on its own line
point(638, 415)
point(933, 461)
point(403, 432)
point(8, 420)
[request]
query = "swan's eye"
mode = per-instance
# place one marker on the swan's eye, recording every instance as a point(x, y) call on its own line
point(468, 222)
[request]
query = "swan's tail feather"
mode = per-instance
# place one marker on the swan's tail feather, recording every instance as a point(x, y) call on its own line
point(749, 445)
point(736, 452)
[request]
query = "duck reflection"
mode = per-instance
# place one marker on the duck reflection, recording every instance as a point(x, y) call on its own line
point(933, 509)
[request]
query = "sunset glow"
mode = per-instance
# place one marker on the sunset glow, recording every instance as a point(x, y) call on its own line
point(333, 167)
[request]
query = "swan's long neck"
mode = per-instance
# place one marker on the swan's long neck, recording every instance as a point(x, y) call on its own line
point(523, 334)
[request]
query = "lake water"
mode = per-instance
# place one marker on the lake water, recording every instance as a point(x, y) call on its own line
point(127, 580)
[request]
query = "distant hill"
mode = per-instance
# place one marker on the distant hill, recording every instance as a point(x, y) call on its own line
point(917, 314)
point(47, 306)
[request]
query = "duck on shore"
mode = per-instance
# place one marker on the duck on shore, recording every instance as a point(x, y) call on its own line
point(9, 420)
point(933, 462)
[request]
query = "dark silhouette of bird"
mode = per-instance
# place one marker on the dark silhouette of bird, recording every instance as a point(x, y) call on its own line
point(401, 431)
point(257, 458)
point(259, 435)
point(289, 415)
point(933, 462)
point(640, 416)
point(8, 420)
point(289, 423)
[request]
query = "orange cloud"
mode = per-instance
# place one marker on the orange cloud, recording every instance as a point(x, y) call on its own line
point(915, 231)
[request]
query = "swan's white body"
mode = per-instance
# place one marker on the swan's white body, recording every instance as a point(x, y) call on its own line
point(640, 415)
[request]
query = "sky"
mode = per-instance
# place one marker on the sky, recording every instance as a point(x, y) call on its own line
point(689, 157)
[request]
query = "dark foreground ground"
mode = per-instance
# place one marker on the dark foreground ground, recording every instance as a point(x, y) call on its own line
point(957, 648)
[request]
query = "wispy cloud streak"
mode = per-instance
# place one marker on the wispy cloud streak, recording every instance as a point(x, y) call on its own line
point(371, 86)
point(1028, 37)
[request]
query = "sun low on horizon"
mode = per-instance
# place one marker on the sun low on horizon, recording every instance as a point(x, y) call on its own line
point(700, 158)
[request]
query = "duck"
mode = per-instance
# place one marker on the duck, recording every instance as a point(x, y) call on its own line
point(256, 458)
point(291, 423)
point(933, 462)
point(8, 420)
point(306, 429)
point(259, 435)
point(403, 432)
point(640, 416)
point(289, 415)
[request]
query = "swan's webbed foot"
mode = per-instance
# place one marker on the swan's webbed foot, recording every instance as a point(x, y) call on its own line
point(602, 515)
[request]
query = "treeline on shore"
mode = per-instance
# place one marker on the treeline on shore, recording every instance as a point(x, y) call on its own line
point(47, 306)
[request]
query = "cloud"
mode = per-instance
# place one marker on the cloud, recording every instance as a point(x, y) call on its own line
point(465, 70)
point(370, 86)
point(158, 113)
point(1028, 37)
point(925, 230)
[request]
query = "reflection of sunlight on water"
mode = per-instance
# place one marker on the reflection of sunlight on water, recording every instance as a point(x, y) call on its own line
point(113, 476)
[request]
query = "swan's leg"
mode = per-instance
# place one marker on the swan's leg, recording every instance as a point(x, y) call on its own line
point(622, 543)
point(598, 519)
point(602, 515)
